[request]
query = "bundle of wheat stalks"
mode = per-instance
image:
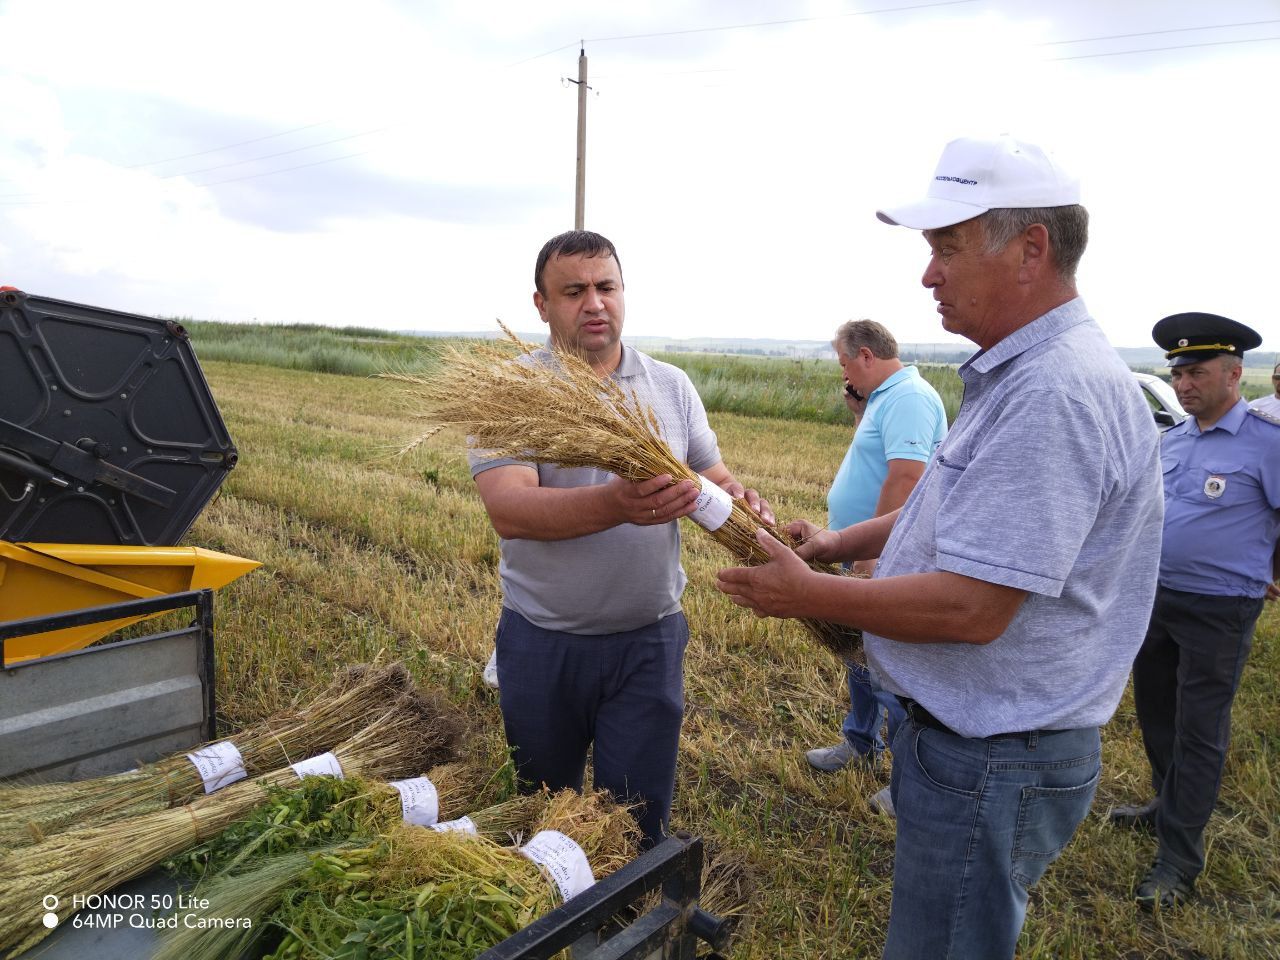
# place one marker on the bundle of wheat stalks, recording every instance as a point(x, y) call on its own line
point(411, 734)
point(444, 896)
point(555, 409)
point(30, 813)
point(325, 820)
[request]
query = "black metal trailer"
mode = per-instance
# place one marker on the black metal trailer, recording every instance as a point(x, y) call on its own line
point(588, 922)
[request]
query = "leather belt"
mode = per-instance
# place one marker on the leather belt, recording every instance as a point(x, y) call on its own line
point(924, 718)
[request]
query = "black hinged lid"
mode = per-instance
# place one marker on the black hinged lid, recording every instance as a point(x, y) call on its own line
point(108, 431)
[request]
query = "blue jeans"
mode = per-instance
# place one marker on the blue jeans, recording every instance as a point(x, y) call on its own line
point(979, 822)
point(868, 706)
point(619, 694)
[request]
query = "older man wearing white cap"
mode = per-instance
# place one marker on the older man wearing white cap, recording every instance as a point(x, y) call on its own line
point(1014, 585)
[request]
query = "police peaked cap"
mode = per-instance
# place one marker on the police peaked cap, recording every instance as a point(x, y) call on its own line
point(1195, 337)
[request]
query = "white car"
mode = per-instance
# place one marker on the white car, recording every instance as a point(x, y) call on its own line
point(1164, 402)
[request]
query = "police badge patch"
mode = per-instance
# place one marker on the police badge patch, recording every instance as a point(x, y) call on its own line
point(1214, 487)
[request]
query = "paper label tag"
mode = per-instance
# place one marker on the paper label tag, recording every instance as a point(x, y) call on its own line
point(461, 825)
point(714, 506)
point(218, 764)
point(563, 860)
point(419, 801)
point(325, 765)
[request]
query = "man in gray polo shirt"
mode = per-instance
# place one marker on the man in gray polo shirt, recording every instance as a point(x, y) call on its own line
point(591, 640)
point(1014, 585)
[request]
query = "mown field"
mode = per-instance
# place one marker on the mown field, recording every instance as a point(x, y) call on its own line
point(365, 553)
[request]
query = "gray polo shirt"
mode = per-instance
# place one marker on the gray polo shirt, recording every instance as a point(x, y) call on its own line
point(1048, 481)
point(628, 576)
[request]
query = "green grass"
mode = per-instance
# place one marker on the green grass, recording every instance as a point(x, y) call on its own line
point(807, 390)
point(357, 351)
point(788, 389)
point(365, 553)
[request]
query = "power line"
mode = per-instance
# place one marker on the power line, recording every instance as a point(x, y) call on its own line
point(1154, 33)
point(1185, 46)
point(540, 55)
point(1049, 43)
point(945, 3)
point(774, 23)
point(212, 183)
point(271, 173)
point(269, 156)
point(233, 163)
point(739, 26)
point(228, 146)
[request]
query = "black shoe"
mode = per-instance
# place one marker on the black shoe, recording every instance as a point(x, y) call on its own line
point(1135, 817)
point(1165, 887)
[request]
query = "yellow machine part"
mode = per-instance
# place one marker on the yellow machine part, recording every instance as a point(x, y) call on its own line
point(38, 579)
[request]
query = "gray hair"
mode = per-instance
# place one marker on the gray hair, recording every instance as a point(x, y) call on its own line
point(1068, 229)
point(853, 335)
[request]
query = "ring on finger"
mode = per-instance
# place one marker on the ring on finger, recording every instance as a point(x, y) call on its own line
point(654, 511)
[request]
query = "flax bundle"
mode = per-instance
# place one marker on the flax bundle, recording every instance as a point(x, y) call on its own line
point(255, 893)
point(559, 412)
point(440, 896)
point(412, 735)
point(28, 814)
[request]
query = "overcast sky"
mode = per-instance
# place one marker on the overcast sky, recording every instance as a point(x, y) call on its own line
point(398, 165)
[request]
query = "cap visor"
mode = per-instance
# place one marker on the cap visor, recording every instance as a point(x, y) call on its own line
point(930, 214)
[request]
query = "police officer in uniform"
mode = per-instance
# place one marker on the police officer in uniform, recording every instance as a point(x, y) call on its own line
point(1218, 564)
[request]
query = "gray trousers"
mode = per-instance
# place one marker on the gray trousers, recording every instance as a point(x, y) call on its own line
point(1184, 681)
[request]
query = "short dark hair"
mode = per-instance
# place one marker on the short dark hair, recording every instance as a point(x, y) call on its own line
point(1067, 226)
point(571, 244)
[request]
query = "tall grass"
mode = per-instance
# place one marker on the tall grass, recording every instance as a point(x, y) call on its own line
point(357, 351)
point(792, 389)
point(365, 553)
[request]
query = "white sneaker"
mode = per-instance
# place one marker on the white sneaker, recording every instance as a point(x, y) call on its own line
point(491, 671)
point(831, 759)
point(882, 802)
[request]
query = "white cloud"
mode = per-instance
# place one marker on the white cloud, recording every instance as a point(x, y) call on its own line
point(737, 170)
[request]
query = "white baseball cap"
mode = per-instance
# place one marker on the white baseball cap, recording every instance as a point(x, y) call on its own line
point(976, 175)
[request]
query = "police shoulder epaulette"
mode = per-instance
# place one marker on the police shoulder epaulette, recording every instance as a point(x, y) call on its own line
point(1269, 418)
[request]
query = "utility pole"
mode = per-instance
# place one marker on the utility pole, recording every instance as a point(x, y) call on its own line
point(580, 192)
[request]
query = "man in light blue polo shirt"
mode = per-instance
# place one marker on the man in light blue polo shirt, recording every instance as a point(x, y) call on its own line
point(1013, 587)
point(901, 423)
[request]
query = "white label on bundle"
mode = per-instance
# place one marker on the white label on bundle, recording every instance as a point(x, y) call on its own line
point(325, 765)
point(219, 764)
point(563, 860)
point(461, 825)
point(714, 506)
point(418, 801)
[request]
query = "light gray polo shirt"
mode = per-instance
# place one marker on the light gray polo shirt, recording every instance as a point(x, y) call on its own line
point(1048, 481)
point(628, 576)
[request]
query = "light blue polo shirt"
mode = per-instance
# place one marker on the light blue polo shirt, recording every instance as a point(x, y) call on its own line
point(904, 420)
point(1047, 481)
point(1222, 504)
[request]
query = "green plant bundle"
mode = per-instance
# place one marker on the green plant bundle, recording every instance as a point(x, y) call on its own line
point(422, 894)
point(322, 811)
point(319, 812)
point(252, 888)
point(560, 412)
point(409, 736)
